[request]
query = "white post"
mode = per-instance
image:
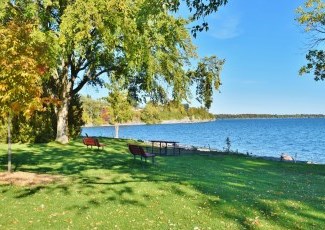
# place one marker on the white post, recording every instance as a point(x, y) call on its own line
point(9, 144)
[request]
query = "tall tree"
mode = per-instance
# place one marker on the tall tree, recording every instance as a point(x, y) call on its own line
point(139, 39)
point(312, 16)
point(120, 108)
point(24, 61)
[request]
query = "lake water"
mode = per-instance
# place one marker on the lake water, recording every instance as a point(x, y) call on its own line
point(263, 137)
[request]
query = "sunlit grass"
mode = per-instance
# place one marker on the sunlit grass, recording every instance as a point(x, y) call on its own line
point(107, 189)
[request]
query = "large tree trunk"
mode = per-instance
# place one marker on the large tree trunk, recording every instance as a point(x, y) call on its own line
point(62, 131)
point(9, 144)
point(65, 88)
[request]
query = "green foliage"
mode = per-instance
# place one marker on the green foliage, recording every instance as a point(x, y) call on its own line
point(3, 132)
point(40, 127)
point(95, 112)
point(199, 9)
point(150, 114)
point(207, 78)
point(172, 111)
point(100, 112)
point(25, 59)
point(315, 65)
point(140, 41)
point(312, 17)
point(120, 108)
point(75, 116)
point(199, 114)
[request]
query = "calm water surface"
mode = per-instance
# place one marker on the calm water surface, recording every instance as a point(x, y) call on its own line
point(263, 137)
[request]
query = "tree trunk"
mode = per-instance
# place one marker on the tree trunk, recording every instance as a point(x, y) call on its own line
point(9, 144)
point(62, 131)
point(116, 130)
point(64, 94)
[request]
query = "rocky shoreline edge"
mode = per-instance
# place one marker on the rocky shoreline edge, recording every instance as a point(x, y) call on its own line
point(216, 152)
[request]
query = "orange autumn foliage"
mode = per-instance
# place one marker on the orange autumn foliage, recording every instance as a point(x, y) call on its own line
point(23, 65)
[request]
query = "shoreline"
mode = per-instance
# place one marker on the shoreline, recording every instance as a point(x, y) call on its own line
point(305, 156)
point(207, 151)
point(165, 122)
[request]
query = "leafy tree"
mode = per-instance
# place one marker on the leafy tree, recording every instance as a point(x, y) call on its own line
point(207, 77)
point(200, 113)
point(40, 127)
point(172, 111)
point(24, 60)
point(94, 111)
point(139, 39)
point(120, 108)
point(312, 16)
point(151, 114)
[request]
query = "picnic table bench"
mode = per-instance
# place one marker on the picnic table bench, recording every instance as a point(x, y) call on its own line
point(90, 141)
point(165, 146)
point(137, 150)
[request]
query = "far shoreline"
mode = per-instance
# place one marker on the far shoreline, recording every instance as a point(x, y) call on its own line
point(268, 116)
point(165, 122)
point(188, 121)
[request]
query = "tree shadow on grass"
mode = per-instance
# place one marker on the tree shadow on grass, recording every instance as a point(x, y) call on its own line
point(80, 165)
point(255, 192)
point(247, 192)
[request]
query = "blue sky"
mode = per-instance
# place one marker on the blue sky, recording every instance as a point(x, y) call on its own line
point(264, 48)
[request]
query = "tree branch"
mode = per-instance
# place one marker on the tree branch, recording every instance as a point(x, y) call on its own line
point(81, 84)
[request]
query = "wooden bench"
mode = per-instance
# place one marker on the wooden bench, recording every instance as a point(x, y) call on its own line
point(137, 150)
point(90, 141)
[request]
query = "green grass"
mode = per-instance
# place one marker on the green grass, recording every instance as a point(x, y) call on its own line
point(109, 190)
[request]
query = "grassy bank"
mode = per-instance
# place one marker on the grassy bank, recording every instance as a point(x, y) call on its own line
point(109, 190)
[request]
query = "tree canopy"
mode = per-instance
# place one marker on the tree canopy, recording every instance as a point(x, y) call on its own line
point(23, 62)
point(312, 17)
point(139, 40)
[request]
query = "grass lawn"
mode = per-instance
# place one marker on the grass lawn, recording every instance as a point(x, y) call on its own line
point(109, 190)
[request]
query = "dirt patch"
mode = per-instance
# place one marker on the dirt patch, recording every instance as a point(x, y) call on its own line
point(27, 179)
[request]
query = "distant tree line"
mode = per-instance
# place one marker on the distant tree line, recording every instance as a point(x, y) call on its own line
point(99, 112)
point(226, 116)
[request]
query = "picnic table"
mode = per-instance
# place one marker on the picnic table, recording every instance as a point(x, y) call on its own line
point(164, 144)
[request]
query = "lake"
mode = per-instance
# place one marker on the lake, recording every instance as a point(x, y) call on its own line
point(263, 137)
